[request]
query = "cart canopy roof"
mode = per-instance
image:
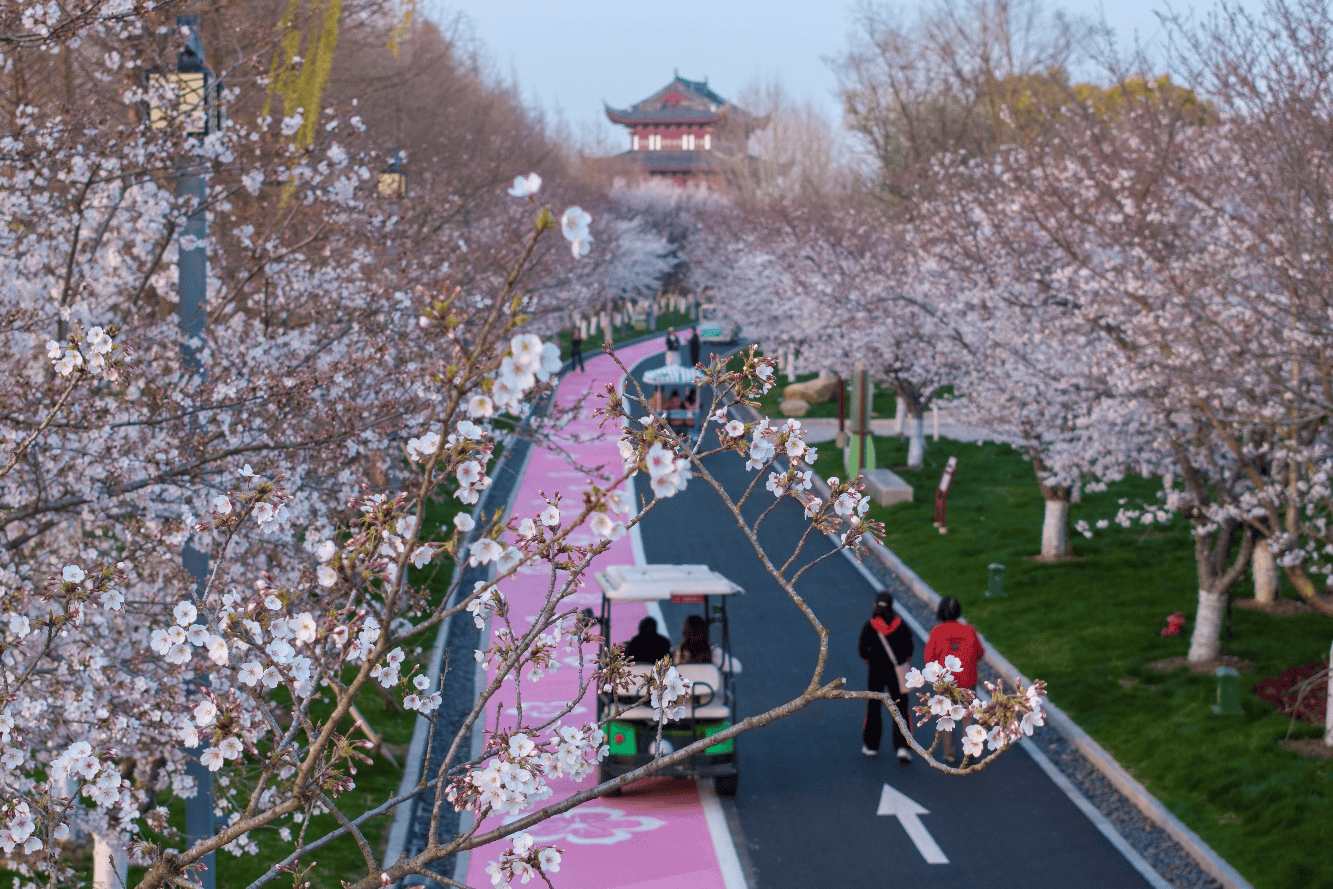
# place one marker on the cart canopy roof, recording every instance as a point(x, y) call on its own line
point(672, 374)
point(652, 583)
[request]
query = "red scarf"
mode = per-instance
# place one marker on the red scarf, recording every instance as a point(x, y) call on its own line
point(885, 628)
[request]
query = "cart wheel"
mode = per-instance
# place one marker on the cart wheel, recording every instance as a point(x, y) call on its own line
point(725, 785)
point(604, 775)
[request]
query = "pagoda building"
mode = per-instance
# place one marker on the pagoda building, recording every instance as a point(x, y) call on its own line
point(686, 132)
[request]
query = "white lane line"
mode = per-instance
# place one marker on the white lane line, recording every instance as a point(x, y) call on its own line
point(1099, 821)
point(733, 877)
point(724, 844)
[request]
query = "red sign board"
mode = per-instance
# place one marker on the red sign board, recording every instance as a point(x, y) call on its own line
point(687, 598)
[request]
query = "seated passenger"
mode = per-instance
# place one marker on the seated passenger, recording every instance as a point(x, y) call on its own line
point(649, 646)
point(691, 399)
point(694, 648)
point(674, 403)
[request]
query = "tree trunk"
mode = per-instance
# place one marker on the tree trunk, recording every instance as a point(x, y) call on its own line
point(110, 865)
point(1206, 640)
point(899, 415)
point(916, 443)
point(1328, 704)
point(1264, 568)
point(1055, 529)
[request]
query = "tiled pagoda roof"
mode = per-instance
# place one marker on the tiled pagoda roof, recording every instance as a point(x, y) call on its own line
point(680, 101)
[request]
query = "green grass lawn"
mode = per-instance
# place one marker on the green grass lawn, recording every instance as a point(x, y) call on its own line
point(1089, 626)
point(342, 859)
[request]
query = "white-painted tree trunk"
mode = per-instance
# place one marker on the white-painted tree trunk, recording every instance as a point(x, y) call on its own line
point(110, 864)
point(605, 322)
point(1328, 704)
point(1264, 568)
point(916, 443)
point(1055, 530)
point(1206, 640)
point(899, 415)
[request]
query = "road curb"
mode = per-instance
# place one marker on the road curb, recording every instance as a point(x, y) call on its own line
point(1203, 855)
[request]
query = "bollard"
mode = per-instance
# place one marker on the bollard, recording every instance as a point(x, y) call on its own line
point(995, 584)
point(1228, 692)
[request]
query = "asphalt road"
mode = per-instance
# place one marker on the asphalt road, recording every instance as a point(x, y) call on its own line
point(808, 798)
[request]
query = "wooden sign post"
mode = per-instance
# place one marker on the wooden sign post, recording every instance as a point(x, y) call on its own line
point(942, 495)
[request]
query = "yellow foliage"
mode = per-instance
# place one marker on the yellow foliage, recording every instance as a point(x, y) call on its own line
point(300, 85)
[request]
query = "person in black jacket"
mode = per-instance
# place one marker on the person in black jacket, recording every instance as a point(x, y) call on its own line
point(649, 646)
point(672, 346)
point(885, 629)
point(693, 343)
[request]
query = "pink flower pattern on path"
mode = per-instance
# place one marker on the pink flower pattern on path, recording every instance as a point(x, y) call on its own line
point(637, 843)
point(593, 826)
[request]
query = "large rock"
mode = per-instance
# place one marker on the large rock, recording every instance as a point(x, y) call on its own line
point(887, 488)
point(813, 391)
point(794, 407)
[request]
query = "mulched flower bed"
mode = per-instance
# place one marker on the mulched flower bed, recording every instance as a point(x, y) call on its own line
point(1298, 693)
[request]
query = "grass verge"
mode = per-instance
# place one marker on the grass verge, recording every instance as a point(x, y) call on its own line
point(1089, 626)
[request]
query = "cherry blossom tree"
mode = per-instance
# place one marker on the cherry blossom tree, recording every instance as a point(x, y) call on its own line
point(270, 441)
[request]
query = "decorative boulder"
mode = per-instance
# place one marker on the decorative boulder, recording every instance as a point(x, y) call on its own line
point(812, 391)
point(793, 407)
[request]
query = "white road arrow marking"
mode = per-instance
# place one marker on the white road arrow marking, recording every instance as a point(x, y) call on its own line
point(905, 809)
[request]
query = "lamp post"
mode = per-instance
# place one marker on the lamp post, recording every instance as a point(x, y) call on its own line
point(198, 113)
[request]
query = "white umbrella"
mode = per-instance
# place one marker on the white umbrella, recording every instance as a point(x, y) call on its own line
point(672, 374)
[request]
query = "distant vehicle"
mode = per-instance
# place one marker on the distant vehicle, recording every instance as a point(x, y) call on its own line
point(715, 326)
point(630, 726)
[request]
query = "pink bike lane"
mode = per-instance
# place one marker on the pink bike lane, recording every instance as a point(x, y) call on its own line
point(661, 832)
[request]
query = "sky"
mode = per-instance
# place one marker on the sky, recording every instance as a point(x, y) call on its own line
point(569, 59)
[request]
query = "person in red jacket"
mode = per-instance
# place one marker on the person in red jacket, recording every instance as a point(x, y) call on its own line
point(960, 640)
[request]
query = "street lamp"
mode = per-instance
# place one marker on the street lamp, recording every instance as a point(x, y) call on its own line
point(194, 104)
point(392, 182)
point(198, 94)
point(198, 112)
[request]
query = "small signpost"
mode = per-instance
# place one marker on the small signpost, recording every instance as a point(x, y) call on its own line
point(942, 495)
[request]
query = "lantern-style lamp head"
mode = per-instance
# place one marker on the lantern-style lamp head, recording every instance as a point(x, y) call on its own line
point(392, 183)
point(195, 96)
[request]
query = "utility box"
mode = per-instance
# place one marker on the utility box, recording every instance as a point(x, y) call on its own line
point(1228, 692)
point(995, 582)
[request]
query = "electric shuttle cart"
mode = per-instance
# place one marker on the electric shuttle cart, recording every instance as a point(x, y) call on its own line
point(632, 735)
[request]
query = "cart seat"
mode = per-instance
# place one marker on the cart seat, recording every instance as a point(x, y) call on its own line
point(706, 677)
point(708, 713)
point(707, 692)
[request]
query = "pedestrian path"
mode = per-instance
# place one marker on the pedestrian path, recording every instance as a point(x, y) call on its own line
point(657, 835)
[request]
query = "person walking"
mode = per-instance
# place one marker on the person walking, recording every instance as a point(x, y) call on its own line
point(694, 346)
point(960, 640)
point(672, 345)
point(576, 349)
point(886, 646)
